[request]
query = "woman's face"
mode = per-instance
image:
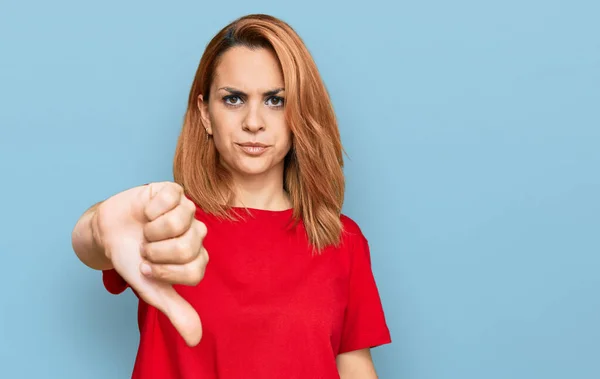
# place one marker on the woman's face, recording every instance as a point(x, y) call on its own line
point(245, 112)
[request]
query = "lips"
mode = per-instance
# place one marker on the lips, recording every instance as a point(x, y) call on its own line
point(253, 148)
point(252, 144)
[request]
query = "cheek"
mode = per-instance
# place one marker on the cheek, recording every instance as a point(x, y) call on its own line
point(224, 124)
point(288, 145)
point(288, 137)
point(280, 128)
point(284, 137)
point(220, 136)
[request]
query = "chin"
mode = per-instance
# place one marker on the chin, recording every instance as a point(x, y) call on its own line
point(252, 168)
point(252, 171)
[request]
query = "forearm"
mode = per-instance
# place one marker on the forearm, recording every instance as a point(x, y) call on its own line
point(84, 242)
point(356, 365)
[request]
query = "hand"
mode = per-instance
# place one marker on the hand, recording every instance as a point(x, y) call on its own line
point(153, 240)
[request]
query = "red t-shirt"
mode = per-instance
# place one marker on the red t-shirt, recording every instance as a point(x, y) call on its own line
point(270, 309)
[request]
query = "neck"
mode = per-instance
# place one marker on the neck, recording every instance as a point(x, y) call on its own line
point(261, 191)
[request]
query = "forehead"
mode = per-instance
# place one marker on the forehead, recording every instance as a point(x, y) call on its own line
point(249, 69)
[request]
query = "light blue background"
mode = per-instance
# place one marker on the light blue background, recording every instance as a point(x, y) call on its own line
point(473, 134)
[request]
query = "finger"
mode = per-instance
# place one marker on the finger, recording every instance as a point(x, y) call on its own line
point(180, 250)
point(189, 274)
point(156, 293)
point(171, 224)
point(163, 198)
point(182, 315)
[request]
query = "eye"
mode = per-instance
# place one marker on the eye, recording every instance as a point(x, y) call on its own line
point(276, 101)
point(232, 100)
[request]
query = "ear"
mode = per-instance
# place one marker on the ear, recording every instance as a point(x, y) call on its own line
point(203, 107)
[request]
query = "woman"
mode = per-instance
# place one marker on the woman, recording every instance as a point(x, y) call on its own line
point(258, 184)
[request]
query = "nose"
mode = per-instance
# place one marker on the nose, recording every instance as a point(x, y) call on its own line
point(253, 121)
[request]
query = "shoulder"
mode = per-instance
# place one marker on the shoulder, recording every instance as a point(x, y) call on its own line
point(355, 245)
point(350, 227)
point(352, 234)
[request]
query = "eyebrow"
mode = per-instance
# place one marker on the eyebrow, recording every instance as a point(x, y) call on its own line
point(237, 92)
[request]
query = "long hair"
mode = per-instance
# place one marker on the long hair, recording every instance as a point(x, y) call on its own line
point(313, 173)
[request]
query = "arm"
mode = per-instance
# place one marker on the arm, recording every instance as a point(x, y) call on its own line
point(85, 244)
point(356, 364)
point(364, 325)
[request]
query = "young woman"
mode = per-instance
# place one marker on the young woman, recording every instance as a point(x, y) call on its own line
point(258, 184)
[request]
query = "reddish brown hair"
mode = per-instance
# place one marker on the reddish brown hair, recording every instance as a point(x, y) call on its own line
point(313, 174)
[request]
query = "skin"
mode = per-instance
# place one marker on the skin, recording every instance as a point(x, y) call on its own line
point(246, 104)
point(149, 234)
point(241, 109)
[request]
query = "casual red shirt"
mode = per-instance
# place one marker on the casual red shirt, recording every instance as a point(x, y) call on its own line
point(270, 308)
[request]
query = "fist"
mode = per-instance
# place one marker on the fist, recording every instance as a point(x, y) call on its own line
point(151, 236)
point(172, 250)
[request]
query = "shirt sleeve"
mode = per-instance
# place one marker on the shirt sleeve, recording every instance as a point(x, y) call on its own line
point(113, 282)
point(365, 325)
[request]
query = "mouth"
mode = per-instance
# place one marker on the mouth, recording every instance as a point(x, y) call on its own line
point(252, 144)
point(253, 148)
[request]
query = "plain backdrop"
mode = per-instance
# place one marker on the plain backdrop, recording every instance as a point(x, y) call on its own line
point(472, 130)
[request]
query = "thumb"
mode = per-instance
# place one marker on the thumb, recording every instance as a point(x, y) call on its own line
point(126, 261)
point(182, 315)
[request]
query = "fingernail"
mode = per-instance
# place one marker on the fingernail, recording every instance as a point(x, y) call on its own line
point(145, 268)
